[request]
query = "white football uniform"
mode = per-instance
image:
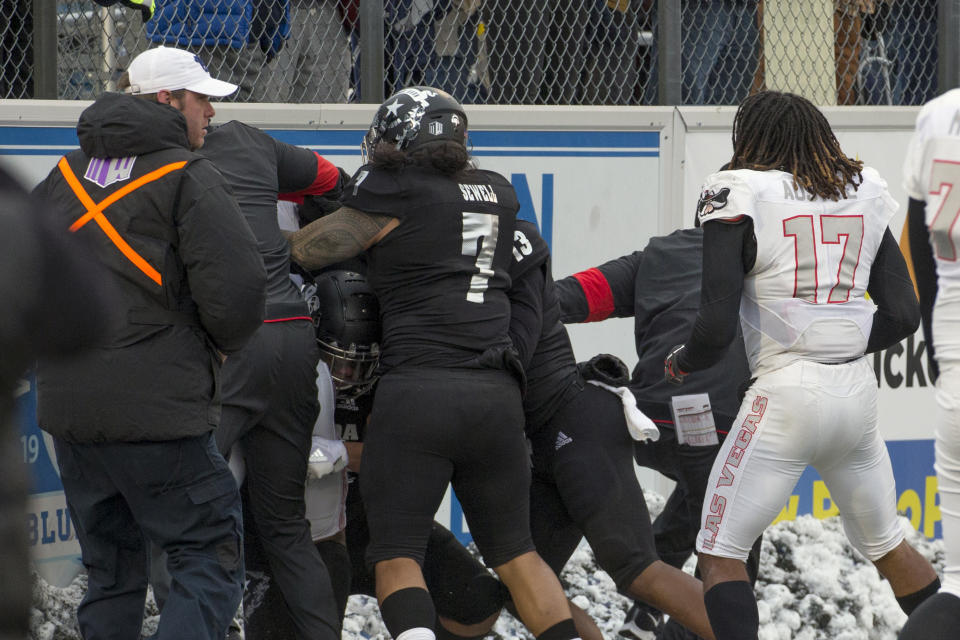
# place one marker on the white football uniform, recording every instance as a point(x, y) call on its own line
point(806, 322)
point(932, 175)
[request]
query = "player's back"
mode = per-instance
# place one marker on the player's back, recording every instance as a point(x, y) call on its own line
point(441, 276)
point(931, 172)
point(805, 298)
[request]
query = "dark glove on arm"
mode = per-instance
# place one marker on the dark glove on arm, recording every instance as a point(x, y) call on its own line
point(605, 368)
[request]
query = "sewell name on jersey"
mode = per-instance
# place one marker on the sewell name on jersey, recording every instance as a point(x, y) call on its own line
point(478, 193)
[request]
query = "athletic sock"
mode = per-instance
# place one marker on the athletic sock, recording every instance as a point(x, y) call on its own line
point(417, 633)
point(937, 618)
point(563, 630)
point(409, 609)
point(337, 559)
point(913, 600)
point(732, 609)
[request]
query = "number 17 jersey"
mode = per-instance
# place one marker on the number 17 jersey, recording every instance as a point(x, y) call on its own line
point(442, 275)
point(804, 298)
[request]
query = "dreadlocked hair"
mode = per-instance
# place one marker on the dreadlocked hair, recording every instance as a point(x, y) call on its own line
point(783, 131)
point(444, 156)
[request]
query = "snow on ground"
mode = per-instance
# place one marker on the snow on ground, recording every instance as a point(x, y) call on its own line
point(812, 586)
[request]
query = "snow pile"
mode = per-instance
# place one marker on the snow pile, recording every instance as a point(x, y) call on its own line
point(812, 586)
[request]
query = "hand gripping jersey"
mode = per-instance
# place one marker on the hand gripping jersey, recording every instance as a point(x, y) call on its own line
point(804, 297)
point(931, 173)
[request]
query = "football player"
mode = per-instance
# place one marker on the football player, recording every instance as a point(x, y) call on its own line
point(795, 235)
point(438, 235)
point(582, 448)
point(660, 288)
point(932, 180)
point(468, 599)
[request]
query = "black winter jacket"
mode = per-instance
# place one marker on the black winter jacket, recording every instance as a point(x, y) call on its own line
point(187, 267)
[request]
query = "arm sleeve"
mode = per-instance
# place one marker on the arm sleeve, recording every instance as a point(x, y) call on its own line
point(601, 292)
point(302, 172)
point(528, 273)
point(725, 245)
point(890, 287)
point(925, 271)
point(229, 286)
point(526, 312)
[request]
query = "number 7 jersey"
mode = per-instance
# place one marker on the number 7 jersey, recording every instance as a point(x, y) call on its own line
point(804, 298)
point(441, 276)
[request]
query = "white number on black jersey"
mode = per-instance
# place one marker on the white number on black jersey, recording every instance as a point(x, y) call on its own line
point(480, 232)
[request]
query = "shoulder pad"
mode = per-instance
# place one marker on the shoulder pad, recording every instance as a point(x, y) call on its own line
point(726, 196)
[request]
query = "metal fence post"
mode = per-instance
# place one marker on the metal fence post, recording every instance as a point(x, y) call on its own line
point(948, 45)
point(669, 70)
point(44, 49)
point(371, 51)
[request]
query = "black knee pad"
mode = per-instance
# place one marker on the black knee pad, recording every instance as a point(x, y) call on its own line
point(462, 588)
point(936, 617)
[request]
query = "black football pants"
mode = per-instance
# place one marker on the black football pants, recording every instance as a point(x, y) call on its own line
point(584, 485)
point(270, 406)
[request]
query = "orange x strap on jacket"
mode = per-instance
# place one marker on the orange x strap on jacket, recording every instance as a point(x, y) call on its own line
point(95, 211)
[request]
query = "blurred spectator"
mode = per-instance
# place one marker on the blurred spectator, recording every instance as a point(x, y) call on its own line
point(234, 38)
point(517, 34)
point(567, 47)
point(16, 49)
point(410, 39)
point(459, 62)
point(314, 66)
point(613, 70)
point(719, 43)
point(848, 46)
point(899, 61)
point(55, 298)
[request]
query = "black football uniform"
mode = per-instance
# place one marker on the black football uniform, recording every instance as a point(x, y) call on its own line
point(660, 288)
point(461, 588)
point(583, 483)
point(447, 408)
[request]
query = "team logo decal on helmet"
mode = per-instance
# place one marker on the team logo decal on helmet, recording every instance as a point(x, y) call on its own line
point(415, 116)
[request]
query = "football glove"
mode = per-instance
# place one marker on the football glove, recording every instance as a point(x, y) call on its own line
point(605, 368)
point(671, 370)
point(326, 457)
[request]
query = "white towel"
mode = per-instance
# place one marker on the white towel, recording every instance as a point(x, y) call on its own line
point(640, 426)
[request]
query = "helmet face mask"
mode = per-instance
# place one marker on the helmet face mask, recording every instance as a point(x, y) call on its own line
point(348, 329)
point(413, 117)
point(353, 367)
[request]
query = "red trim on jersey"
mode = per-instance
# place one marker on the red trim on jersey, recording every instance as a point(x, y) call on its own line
point(326, 179)
point(289, 319)
point(597, 291)
point(732, 220)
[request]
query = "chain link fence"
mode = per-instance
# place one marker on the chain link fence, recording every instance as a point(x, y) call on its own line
point(617, 52)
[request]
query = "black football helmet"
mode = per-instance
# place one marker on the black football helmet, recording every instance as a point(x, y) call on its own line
point(348, 328)
point(416, 116)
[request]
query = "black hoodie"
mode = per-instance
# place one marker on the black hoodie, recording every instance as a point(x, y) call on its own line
point(187, 267)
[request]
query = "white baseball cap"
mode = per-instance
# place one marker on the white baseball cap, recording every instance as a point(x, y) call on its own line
point(167, 68)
